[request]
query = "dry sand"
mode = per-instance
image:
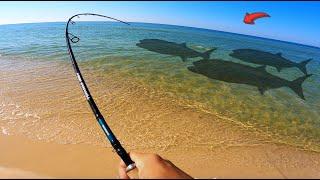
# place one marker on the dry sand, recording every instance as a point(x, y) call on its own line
point(51, 132)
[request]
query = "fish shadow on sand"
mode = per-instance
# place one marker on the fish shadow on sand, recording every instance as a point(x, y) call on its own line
point(172, 48)
point(267, 58)
point(242, 74)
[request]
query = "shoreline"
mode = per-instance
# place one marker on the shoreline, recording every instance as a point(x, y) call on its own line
point(55, 134)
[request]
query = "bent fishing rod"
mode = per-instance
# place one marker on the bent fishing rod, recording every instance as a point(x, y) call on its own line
point(70, 38)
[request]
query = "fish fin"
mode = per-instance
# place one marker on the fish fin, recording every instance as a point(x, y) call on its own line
point(296, 85)
point(279, 54)
point(192, 69)
point(263, 68)
point(302, 66)
point(262, 90)
point(206, 55)
point(184, 44)
point(184, 59)
point(278, 68)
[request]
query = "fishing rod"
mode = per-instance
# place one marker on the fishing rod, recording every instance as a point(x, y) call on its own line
point(70, 38)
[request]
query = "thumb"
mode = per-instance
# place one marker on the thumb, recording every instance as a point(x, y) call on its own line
point(122, 171)
point(137, 158)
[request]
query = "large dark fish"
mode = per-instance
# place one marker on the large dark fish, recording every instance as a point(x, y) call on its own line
point(238, 73)
point(266, 58)
point(171, 48)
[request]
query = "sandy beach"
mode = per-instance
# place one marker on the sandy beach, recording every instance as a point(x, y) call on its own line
point(24, 158)
point(48, 130)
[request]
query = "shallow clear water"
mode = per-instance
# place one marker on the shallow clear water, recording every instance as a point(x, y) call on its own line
point(110, 48)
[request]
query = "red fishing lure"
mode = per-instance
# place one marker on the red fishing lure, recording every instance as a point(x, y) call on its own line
point(250, 18)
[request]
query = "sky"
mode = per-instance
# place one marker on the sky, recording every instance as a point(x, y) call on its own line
point(290, 21)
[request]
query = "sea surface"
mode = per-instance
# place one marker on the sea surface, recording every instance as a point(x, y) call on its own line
point(110, 47)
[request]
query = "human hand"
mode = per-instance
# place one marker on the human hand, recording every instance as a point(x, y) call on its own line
point(152, 166)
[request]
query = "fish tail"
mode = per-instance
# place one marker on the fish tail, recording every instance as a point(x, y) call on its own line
point(206, 55)
point(296, 85)
point(302, 66)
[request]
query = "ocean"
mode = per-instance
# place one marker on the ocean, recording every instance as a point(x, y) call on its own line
point(109, 51)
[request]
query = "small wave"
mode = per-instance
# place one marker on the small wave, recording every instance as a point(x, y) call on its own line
point(11, 111)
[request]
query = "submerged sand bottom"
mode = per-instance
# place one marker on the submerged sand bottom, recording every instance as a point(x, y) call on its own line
point(49, 131)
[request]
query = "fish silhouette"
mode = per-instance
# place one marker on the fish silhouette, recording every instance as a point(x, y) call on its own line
point(171, 48)
point(238, 73)
point(266, 58)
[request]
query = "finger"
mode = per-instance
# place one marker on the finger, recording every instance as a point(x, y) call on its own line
point(122, 171)
point(122, 164)
point(135, 156)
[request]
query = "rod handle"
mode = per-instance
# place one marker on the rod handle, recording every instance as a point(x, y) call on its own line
point(123, 154)
point(131, 169)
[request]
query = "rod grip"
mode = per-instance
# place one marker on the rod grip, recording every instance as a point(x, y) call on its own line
point(131, 166)
point(123, 154)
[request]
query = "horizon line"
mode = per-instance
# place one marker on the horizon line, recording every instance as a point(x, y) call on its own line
point(296, 43)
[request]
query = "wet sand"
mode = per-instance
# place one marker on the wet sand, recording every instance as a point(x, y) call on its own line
point(49, 130)
point(41, 159)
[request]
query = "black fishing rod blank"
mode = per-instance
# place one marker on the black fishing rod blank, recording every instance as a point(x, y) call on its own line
point(106, 129)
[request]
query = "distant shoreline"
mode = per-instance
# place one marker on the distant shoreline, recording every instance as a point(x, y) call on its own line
point(199, 28)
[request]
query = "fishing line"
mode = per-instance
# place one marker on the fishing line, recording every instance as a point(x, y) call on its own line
point(71, 38)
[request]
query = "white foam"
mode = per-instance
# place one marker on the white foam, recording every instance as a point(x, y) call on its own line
point(4, 131)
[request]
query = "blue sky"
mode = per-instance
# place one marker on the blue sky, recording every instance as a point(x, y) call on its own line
point(290, 21)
